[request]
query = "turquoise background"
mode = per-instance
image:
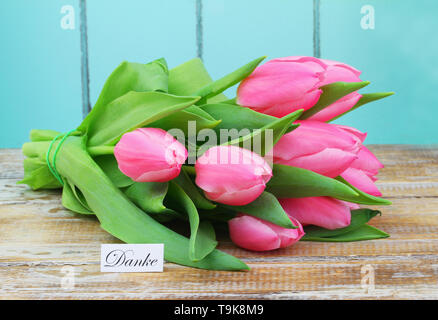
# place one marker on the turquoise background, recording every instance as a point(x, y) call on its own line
point(41, 62)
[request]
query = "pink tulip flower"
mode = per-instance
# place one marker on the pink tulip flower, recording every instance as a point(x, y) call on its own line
point(255, 234)
point(150, 154)
point(284, 85)
point(325, 212)
point(319, 147)
point(362, 171)
point(232, 175)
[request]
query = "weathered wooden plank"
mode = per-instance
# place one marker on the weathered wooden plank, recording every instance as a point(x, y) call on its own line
point(335, 279)
point(11, 164)
point(26, 253)
point(411, 222)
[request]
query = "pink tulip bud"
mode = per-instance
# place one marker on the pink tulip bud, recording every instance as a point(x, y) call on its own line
point(325, 212)
point(232, 175)
point(363, 170)
point(150, 154)
point(319, 147)
point(256, 234)
point(284, 85)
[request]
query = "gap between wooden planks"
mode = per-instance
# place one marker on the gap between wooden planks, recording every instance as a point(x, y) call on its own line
point(40, 242)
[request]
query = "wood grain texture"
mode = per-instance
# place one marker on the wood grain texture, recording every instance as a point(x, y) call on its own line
point(41, 242)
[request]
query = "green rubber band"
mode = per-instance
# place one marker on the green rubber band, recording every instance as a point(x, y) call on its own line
point(53, 168)
point(48, 161)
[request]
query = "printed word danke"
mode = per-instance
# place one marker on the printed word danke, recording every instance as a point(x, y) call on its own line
point(117, 258)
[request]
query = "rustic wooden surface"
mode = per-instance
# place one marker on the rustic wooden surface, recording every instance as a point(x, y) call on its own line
point(42, 244)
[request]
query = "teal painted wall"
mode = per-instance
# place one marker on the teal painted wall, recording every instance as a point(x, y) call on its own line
point(40, 76)
point(398, 55)
point(41, 62)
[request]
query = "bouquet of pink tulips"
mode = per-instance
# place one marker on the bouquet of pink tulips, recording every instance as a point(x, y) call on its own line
point(166, 145)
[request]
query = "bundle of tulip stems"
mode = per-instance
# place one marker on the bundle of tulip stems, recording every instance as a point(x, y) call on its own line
point(162, 146)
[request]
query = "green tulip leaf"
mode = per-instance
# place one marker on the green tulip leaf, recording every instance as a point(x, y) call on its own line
point(128, 76)
point(237, 117)
point(180, 120)
point(198, 111)
point(131, 111)
point(184, 181)
point(201, 243)
point(70, 201)
point(292, 182)
point(265, 207)
point(73, 199)
point(230, 101)
point(109, 165)
point(331, 93)
point(37, 174)
point(149, 196)
point(364, 198)
point(35, 149)
point(366, 98)
point(205, 239)
point(218, 214)
point(190, 77)
point(257, 138)
point(358, 218)
point(364, 232)
point(216, 87)
point(42, 135)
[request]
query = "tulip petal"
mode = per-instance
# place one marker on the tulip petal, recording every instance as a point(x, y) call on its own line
point(351, 205)
point(353, 131)
point(361, 181)
point(237, 198)
point(134, 168)
point(367, 161)
point(339, 107)
point(288, 236)
point(338, 71)
point(252, 234)
point(329, 162)
point(325, 212)
point(159, 176)
point(315, 64)
point(283, 109)
point(313, 137)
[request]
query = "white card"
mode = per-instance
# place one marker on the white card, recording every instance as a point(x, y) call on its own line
point(132, 257)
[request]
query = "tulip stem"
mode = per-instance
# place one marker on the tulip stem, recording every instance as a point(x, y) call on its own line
point(100, 150)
